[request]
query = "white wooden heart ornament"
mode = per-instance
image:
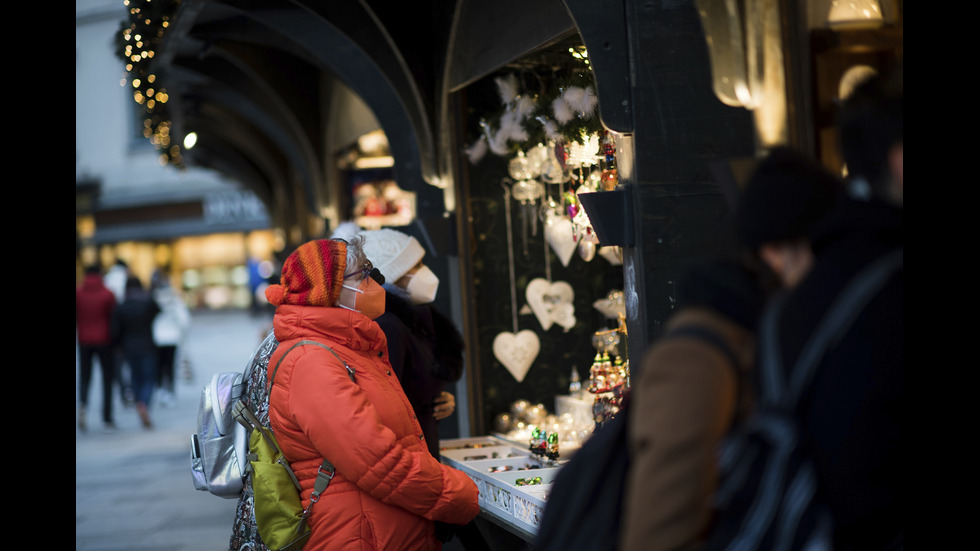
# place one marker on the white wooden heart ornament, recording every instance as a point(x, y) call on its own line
point(564, 315)
point(551, 302)
point(558, 232)
point(517, 351)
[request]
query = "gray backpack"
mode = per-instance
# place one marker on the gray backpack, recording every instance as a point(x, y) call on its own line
point(219, 448)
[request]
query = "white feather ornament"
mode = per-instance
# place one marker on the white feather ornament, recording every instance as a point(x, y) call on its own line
point(507, 88)
point(573, 95)
point(477, 150)
point(563, 112)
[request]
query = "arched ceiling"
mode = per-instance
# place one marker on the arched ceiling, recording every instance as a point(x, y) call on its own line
point(253, 79)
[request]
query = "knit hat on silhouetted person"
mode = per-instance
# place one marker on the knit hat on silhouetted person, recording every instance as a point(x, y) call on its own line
point(392, 252)
point(784, 196)
point(312, 276)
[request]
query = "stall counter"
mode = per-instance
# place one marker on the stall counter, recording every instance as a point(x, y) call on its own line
point(513, 483)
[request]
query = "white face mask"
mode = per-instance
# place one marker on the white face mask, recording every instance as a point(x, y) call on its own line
point(422, 286)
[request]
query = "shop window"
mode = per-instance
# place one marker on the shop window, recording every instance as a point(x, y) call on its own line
point(381, 202)
point(375, 198)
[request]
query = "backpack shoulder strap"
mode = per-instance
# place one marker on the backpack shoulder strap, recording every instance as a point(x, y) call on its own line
point(350, 370)
point(708, 335)
point(834, 324)
point(326, 471)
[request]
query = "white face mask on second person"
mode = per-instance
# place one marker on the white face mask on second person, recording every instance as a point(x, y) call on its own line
point(422, 286)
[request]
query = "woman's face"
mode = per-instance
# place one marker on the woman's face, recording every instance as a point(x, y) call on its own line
point(405, 279)
point(362, 291)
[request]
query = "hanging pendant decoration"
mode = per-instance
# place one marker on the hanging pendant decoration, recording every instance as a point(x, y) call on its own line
point(517, 350)
point(551, 302)
point(560, 236)
point(528, 192)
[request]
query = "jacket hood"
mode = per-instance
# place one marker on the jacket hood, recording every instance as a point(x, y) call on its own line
point(352, 329)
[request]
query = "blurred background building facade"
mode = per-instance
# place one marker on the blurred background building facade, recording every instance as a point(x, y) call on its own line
point(199, 227)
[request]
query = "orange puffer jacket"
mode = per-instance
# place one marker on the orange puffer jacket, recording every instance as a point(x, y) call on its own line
point(388, 489)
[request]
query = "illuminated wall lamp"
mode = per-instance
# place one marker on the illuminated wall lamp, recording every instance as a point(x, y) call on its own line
point(374, 162)
point(855, 14)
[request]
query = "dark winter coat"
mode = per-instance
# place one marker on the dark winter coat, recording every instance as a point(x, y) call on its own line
point(854, 414)
point(133, 323)
point(426, 352)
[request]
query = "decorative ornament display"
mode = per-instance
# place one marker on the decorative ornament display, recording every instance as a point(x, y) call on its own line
point(610, 175)
point(517, 350)
point(586, 249)
point(613, 306)
point(609, 381)
point(607, 341)
point(575, 384)
point(559, 234)
point(565, 111)
point(551, 302)
point(613, 254)
point(528, 192)
point(544, 445)
point(502, 422)
point(519, 167)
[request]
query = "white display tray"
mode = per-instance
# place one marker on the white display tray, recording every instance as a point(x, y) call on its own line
point(500, 495)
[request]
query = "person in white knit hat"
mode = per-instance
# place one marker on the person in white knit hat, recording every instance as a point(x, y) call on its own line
point(398, 257)
point(424, 347)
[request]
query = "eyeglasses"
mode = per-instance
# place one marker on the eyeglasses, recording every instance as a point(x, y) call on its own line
point(368, 270)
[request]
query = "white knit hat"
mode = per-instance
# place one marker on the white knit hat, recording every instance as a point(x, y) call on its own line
point(392, 252)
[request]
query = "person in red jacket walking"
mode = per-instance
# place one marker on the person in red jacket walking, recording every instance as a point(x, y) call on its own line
point(94, 307)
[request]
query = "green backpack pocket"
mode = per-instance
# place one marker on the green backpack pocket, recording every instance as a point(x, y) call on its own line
point(278, 510)
point(279, 513)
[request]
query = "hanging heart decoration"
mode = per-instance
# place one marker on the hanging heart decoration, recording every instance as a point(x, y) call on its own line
point(558, 232)
point(551, 302)
point(517, 351)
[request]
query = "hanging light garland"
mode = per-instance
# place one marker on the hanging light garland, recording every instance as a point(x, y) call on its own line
point(137, 41)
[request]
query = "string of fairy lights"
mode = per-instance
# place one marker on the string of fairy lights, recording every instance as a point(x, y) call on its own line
point(139, 36)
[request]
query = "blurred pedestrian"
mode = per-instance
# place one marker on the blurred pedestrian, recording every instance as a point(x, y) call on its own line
point(387, 489)
point(169, 328)
point(94, 308)
point(133, 326)
point(786, 194)
point(852, 415)
point(693, 385)
point(115, 279)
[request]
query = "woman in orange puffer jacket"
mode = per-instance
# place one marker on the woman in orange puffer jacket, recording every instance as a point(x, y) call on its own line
point(388, 489)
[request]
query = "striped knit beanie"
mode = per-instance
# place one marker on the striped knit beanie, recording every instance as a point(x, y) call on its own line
point(312, 275)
